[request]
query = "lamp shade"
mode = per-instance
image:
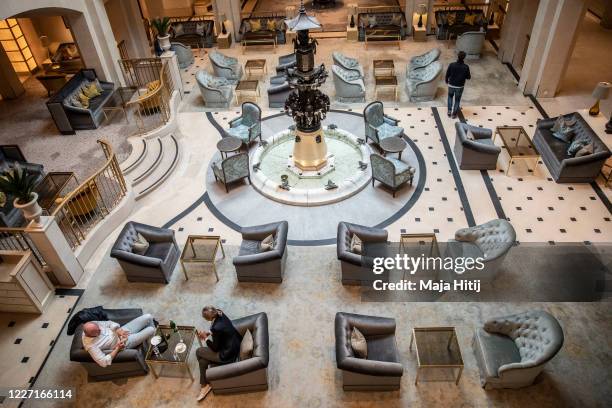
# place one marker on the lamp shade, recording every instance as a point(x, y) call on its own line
point(303, 21)
point(421, 9)
point(602, 90)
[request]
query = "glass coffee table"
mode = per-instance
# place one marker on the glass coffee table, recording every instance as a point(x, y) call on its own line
point(517, 144)
point(383, 68)
point(247, 91)
point(419, 244)
point(166, 354)
point(201, 249)
point(255, 66)
point(438, 354)
point(387, 83)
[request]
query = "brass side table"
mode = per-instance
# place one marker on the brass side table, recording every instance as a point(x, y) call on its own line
point(247, 91)
point(517, 144)
point(387, 83)
point(168, 356)
point(437, 350)
point(416, 244)
point(255, 66)
point(201, 249)
point(383, 68)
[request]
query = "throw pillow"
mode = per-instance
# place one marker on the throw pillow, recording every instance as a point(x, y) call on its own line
point(575, 147)
point(84, 99)
point(359, 344)
point(267, 244)
point(451, 18)
point(98, 85)
point(246, 346)
point(255, 25)
point(271, 25)
point(247, 27)
point(140, 246)
point(469, 19)
point(585, 151)
point(356, 244)
point(372, 21)
point(565, 134)
point(200, 28)
point(91, 91)
point(557, 125)
point(469, 135)
point(178, 30)
point(73, 100)
point(396, 20)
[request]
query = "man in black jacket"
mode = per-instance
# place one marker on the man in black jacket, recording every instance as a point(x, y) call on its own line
point(456, 75)
point(223, 348)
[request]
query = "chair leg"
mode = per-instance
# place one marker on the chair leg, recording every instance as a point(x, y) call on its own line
point(226, 189)
point(372, 181)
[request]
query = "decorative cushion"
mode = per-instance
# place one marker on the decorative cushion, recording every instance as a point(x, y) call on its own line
point(271, 25)
point(359, 344)
point(247, 27)
point(255, 25)
point(451, 18)
point(469, 18)
point(575, 147)
point(91, 91)
point(246, 346)
point(140, 245)
point(372, 21)
point(396, 20)
point(585, 151)
point(267, 244)
point(356, 244)
point(84, 99)
point(178, 29)
point(469, 135)
point(200, 28)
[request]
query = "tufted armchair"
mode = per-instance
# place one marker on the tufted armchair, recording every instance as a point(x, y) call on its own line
point(254, 265)
point(226, 67)
point(512, 350)
point(247, 127)
point(246, 375)
point(392, 172)
point(232, 169)
point(349, 85)
point(475, 151)
point(382, 370)
point(217, 92)
point(285, 62)
point(422, 83)
point(423, 60)
point(159, 260)
point(357, 268)
point(348, 63)
point(471, 43)
point(183, 54)
point(379, 126)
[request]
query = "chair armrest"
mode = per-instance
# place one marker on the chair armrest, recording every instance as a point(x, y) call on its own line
point(261, 257)
point(135, 258)
point(545, 123)
point(77, 109)
point(128, 355)
point(369, 235)
point(590, 158)
point(235, 122)
point(390, 120)
point(259, 232)
point(374, 128)
point(225, 371)
point(480, 132)
point(482, 148)
point(371, 367)
point(154, 234)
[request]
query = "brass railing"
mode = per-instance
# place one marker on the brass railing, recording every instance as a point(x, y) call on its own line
point(139, 72)
point(123, 52)
point(16, 239)
point(86, 206)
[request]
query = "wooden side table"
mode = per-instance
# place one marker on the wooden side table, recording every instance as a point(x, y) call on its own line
point(224, 40)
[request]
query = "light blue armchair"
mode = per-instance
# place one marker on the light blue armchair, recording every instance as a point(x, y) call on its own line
point(349, 85)
point(422, 83)
point(471, 43)
point(226, 67)
point(379, 126)
point(348, 63)
point(183, 54)
point(393, 173)
point(424, 60)
point(247, 126)
point(231, 169)
point(216, 92)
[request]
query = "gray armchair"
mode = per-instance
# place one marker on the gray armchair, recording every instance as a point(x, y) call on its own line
point(247, 127)
point(511, 351)
point(382, 370)
point(159, 260)
point(254, 265)
point(349, 85)
point(471, 43)
point(348, 63)
point(127, 363)
point(476, 152)
point(216, 92)
point(247, 375)
point(278, 91)
point(285, 62)
point(422, 83)
point(379, 126)
point(392, 172)
point(232, 169)
point(357, 268)
point(226, 67)
point(183, 54)
point(423, 60)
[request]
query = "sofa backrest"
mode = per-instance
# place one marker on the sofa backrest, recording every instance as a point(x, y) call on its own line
point(459, 17)
point(74, 83)
point(201, 28)
point(372, 20)
point(255, 24)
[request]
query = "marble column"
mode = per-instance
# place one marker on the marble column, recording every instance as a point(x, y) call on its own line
point(232, 11)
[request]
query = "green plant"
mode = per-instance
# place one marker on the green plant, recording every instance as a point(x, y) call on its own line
point(18, 183)
point(161, 25)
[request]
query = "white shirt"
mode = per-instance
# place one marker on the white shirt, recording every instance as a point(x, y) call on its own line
point(100, 347)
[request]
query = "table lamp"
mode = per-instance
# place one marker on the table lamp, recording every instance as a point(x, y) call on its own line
point(421, 9)
point(601, 91)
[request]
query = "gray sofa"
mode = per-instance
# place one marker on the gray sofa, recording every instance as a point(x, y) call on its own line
point(562, 167)
point(278, 92)
point(422, 83)
point(349, 85)
point(216, 92)
point(477, 153)
point(247, 375)
point(159, 260)
point(226, 67)
point(357, 268)
point(69, 118)
point(184, 55)
point(382, 370)
point(471, 43)
point(254, 265)
point(511, 351)
point(285, 62)
point(127, 363)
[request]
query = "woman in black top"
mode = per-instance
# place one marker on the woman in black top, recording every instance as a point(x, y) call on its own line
point(223, 348)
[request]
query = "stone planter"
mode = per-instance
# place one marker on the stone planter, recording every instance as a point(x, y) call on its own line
point(164, 42)
point(31, 210)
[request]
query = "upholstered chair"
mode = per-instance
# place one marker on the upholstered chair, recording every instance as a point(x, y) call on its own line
point(247, 126)
point(474, 147)
point(245, 375)
point(226, 67)
point(471, 43)
point(512, 351)
point(392, 172)
point(183, 54)
point(278, 91)
point(348, 63)
point(379, 126)
point(285, 62)
point(158, 261)
point(349, 85)
point(256, 265)
point(232, 169)
point(423, 60)
point(357, 267)
point(422, 83)
point(216, 92)
point(382, 370)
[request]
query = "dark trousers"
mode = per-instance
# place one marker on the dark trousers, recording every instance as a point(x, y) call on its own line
point(205, 357)
point(454, 94)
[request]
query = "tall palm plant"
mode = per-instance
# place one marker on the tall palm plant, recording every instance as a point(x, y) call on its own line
point(19, 183)
point(161, 26)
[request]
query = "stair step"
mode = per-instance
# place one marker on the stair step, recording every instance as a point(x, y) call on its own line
point(139, 151)
point(163, 169)
point(149, 163)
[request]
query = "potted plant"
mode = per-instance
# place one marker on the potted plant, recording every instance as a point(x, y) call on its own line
point(20, 183)
point(161, 26)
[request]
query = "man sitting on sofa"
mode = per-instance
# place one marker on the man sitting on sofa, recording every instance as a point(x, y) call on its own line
point(104, 339)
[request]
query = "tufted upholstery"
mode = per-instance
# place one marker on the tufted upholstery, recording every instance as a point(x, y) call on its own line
point(232, 169)
point(379, 126)
point(349, 85)
point(184, 54)
point(348, 63)
point(248, 125)
point(423, 60)
point(471, 43)
point(226, 67)
point(477, 154)
point(390, 22)
point(216, 91)
point(512, 350)
point(391, 172)
point(357, 268)
point(422, 83)
point(382, 370)
point(285, 62)
point(253, 265)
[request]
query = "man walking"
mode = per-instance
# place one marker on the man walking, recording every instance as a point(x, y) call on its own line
point(456, 75)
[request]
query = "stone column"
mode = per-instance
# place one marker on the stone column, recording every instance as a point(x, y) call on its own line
point(509, 32)
point(170, 58)
point(127, 25)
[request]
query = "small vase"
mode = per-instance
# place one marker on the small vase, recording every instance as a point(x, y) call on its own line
point(164, 42)
point(352, 21)
point(31, 210)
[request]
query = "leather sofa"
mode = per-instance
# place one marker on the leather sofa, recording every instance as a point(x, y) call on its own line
point(459, 25)
point(562, 167)
point(226, 67)
point(382, 370)
point(159, 260)
point(512, 351)
point(127, 363)
point(216, 92)
point(247, 375)
point(249, 31)
point(285, 62)
point(69, 118)
point(194, 33)
point(471, 43)
point(184, 55)
point(479, 153)
point(357, 268)
point(393, 22)
point(254, 265)
point(349, 85)
point(278, 91)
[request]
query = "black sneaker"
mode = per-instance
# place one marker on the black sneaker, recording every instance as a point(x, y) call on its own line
point(448, 114)
point(454, 116)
